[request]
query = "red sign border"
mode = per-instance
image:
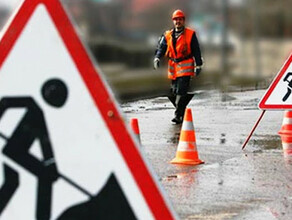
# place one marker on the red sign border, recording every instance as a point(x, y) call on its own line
point(262, 103)
point(99, 92)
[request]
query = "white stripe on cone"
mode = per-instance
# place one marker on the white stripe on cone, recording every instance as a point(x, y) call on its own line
point(287, 121)
point(186, 146)
point(287, 146)
point(187, 126)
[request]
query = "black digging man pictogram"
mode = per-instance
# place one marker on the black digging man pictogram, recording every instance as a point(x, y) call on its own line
point(32, 127)
point(289, 88)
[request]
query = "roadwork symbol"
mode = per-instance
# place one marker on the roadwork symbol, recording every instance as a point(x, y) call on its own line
point(32, 126)
point(278, 95)
point(289, 88)
point(65, 151)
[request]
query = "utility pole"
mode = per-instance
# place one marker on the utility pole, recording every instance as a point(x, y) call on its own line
point(224, 50)
point(256, 30)
point(244, 62)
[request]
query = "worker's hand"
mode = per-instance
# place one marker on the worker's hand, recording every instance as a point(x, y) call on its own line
point(156, 63)
point(198, 70)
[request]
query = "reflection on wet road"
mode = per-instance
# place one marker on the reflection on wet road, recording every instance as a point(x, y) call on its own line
point(232, 184)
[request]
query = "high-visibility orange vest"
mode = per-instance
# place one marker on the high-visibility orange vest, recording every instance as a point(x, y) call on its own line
point(186, 64)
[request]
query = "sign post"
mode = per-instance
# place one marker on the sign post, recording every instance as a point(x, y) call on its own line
point(278, 96)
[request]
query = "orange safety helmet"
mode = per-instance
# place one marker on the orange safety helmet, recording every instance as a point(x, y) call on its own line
point(178, 14)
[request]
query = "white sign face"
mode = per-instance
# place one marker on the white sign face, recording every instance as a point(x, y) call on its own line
point(64, 145)
point(279, 96)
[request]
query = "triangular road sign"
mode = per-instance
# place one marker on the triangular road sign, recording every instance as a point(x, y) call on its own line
point(278, 96)
point(88, 166)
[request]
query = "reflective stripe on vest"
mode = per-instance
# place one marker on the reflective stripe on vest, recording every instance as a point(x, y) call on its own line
point(171, 70)
point(183, 68)
point(185, 65)
point(184, 71)
point(183, 49)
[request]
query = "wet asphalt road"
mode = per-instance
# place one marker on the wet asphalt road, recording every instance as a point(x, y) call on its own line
point(232, 184)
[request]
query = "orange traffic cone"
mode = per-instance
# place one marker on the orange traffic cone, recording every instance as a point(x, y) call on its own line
point(187, 150)
point(135, 128)
point(286, 133)
point(287, 124)
point(287, 144)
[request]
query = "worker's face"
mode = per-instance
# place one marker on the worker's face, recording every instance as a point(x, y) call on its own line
point(178, 23)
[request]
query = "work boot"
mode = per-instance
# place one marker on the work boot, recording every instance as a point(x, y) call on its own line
point(177, 120)
point(180, 103)
point(178, 109)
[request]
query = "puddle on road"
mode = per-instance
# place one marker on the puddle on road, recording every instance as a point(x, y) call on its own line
point(202, 95)
point(160, 100)
point(179, 175)
point(128, 111)
point(227, 98)
point(267, 142)
point(236, 211)
point(158, 108)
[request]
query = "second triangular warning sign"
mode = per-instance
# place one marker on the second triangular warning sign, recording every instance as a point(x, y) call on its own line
point(87, 165)
point(279, 96)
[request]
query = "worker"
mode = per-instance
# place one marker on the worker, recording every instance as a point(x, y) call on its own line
point(182, 48)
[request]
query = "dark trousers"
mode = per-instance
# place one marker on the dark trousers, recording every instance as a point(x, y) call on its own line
point(180, 85)
point(179, 96)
